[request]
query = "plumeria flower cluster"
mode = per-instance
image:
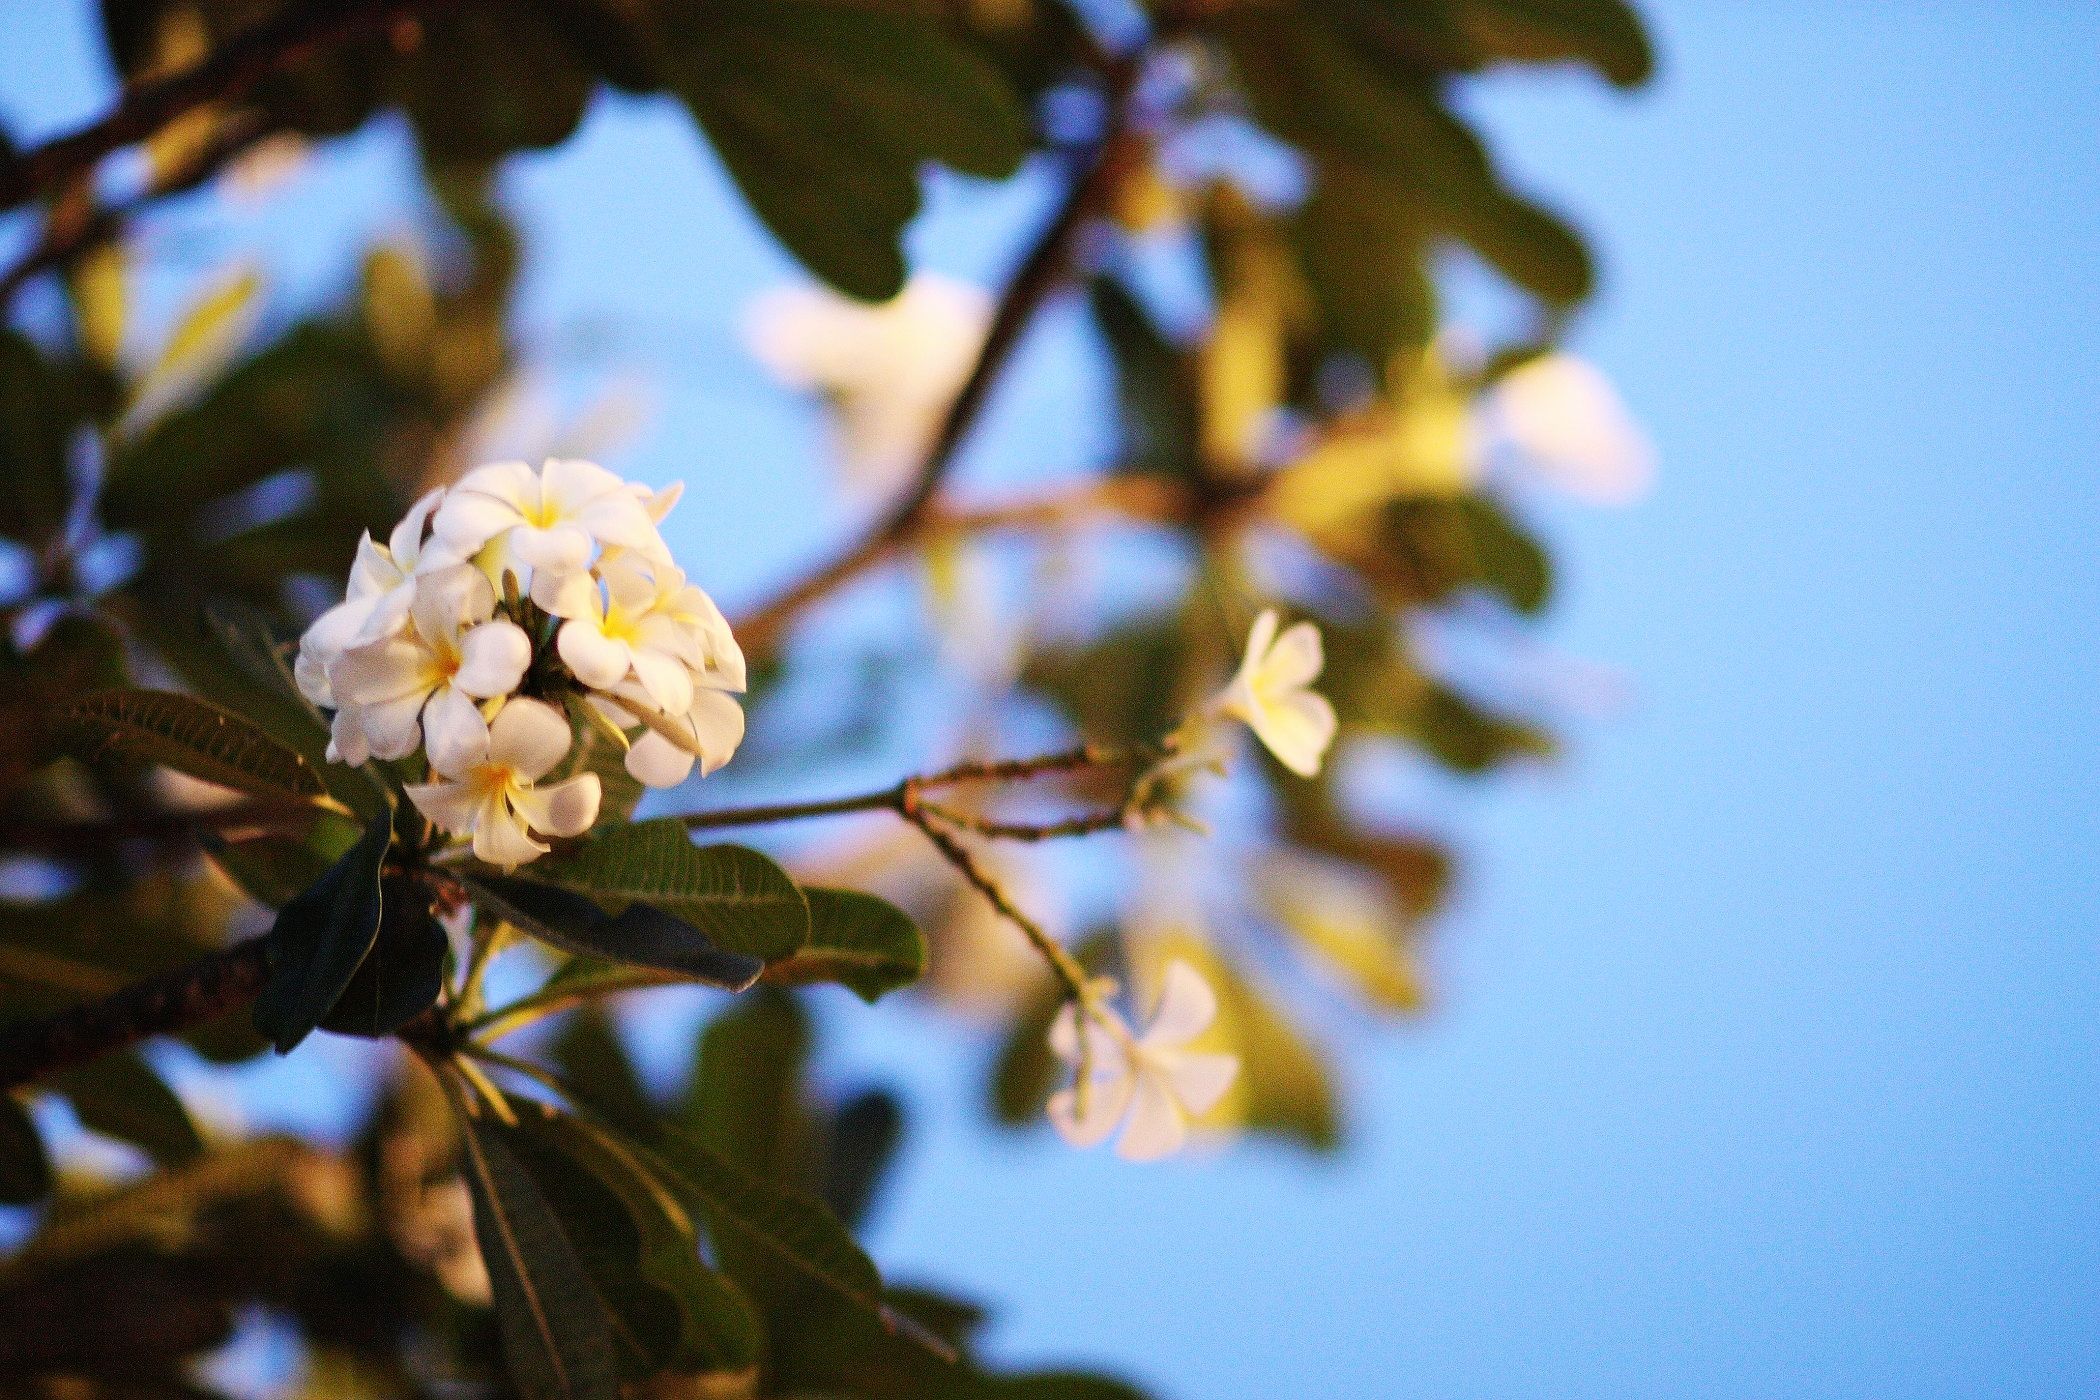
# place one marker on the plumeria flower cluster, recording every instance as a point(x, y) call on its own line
point(495, 601)
point(1151, 1085)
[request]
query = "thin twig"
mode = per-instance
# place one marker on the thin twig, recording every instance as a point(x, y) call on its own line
point(229, 73)
point(1061, 962)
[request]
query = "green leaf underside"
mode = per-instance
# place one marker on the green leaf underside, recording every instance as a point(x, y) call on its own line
point(320, 939)
point(737, 898)
point(640, 935)
point(557, 1336)
point(195, 737)
point(860, 940)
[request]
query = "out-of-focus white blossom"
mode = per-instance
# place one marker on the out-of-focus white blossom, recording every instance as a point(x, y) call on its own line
point(889, 371)
point(431, 641)
point(1272, 695)
point(493, 790)
point(1151, 1085)
point(1563, 422)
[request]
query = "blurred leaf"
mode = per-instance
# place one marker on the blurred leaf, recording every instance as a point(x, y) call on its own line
point(203, 342)
point(737, 898)
point(1606, 34)
point(1344, 919)
point(401, 976)
point(824, 113)
point(557, 1336)
point(400, 313)
point(489, 79)
point(195, 737)
point(25, 1169)
point(1364, 253)
point(865, 1135)
point(272, 869)
point(590, 1054)
point(121, 1096)
point(745, 1099)
point(859, 940)
point(97, 286)
point(1160, 428)
point(42, 404)
point(641, 934)
point(320, 939)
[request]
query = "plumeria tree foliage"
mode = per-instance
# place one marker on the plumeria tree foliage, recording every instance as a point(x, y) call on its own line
point(252, 798)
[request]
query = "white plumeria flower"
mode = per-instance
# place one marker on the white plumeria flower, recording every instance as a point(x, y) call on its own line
point(549, 522)
point(646, 623)
point(890, 371)
point(491, 790)
point(425, 680)
point(382, 584)
point(1566, 423)
point(1272, 694)
point(1152, 1084)
point(709, 732)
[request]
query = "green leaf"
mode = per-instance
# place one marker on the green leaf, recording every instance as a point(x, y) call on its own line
point(195, 737)
point(1155, 394)
point(591, 1057)
point(640, 934)
point(737, 898)
point(319, 940)
point(272, 869)
point(796, 1229)
point(824, 113)
point(670, 1312)
point(865, 1135)
point(860, 940)
point(557, 1337)
point(746, 1100)
point(1606, 34)
point(25, 1168)
point(121, 1096)
point(203, 342)
point(401, 976)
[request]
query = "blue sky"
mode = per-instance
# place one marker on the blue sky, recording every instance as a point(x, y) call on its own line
point(1764, 1058)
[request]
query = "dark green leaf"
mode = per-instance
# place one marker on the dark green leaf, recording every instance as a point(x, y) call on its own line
point(1155, 395)
point(319, 940)
point(25, 1169)
point(640, 934)
point(121, 1096)
point(592, 1058)
point(746, 1100)
point(824, 114)
point(401, 976)
point(737, 898)
point(557, 1336)
point(860, 940)
point(670, 1312)
point(1606, 34)
point(273, 869)
point(195, 737)
point(865, 1134)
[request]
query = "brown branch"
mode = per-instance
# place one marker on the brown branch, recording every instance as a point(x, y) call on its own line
point(1041, 271)
point(171, 1002)
point(227, 74)
point(958, 855)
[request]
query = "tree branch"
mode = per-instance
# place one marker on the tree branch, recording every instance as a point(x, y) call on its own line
point(171, 1002)
point(1040, 273)
point(229, 73)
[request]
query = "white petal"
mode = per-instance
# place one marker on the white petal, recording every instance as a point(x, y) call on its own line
point(573, 593)
point(389, 612)
point(656, 762)
point(1105, 1048)
point(450, 805)
point(346, 737)
point(566, 808)
point(1187, 1006)
point(406, 543)
point(470, 519)
point(1106, 1100)
point(454, 733)
point(529, 736)
point(1297, 728)
point(621, 521)
point(1156, 1128)
point(659, 503)
point(392, 727)
point(492, 659)
point(1263, 633)
point(382, 671)
point(1295, 660)
point(1200, 1080)
point(665, 678)
point(594, 658)
point(717, 727)
point(374, 570)
point(562, 548)
point(449, 599)
point(500, 837)
point(568, 484)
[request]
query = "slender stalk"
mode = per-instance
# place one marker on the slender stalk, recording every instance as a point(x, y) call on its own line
point(966, 865)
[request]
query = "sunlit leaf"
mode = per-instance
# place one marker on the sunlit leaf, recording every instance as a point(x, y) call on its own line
point(640, 934)
point(737, 898)
point(195, 737)
point(857, 939)
point(204, 341)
